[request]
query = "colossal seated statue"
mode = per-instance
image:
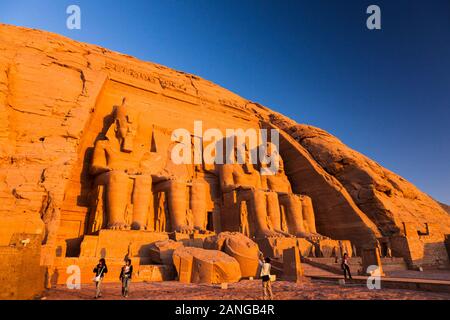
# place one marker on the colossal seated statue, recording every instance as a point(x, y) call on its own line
point(120, 161)
point(266, 204)
point(128, 175)
point(287, 211)
point(184, 194)
point(244, 182)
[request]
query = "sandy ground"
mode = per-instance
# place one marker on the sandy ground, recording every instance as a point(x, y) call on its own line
point(244, 290)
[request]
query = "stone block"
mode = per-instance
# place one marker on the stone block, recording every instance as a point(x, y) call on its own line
point(371, 257)
point(19, 223)
point(21, 275)
point(195, 265)
point(190, 239)
point(274, 246)
point(117, 244)
point(161, 251)
point(329, 248)
point(306, 248)
point(292, 266)
point(155, 273)
point(238, 246)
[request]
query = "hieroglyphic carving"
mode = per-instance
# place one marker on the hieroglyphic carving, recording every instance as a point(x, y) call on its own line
point(163, 82)
point(161, 212)
point(131, 72)
point(244, 227)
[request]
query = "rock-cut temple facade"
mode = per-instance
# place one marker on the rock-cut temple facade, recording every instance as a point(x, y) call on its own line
point(86, 137)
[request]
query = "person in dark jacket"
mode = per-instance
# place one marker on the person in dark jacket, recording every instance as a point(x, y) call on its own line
point(125, 276)
point(345, 266)
point(99, 271)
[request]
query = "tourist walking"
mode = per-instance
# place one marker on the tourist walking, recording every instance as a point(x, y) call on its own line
point(346, 267)
point(125, 277)
point(99, 271)
point(266, 281)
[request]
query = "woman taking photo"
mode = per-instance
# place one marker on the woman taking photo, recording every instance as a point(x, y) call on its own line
point(266, 281)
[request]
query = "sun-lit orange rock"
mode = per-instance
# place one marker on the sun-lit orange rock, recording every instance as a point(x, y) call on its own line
point(162, 251)
point(238, 246)
point(60, 108)
point(198, 265)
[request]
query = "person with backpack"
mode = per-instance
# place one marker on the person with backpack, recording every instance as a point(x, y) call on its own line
point(99, 271)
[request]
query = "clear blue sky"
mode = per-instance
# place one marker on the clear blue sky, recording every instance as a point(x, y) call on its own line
point(384, 93)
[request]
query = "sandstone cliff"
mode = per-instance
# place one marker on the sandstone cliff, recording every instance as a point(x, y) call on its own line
point(446, 207)
point(49, 89)
point(388, 199)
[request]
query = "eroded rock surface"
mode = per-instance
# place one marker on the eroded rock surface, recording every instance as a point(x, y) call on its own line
point(56, 97)
point(238, 246)
point(196, 265)
point(386, 198)
point(161, 252)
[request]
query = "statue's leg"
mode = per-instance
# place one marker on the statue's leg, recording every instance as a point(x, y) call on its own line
point(273, 210)
point(117, 199)
point(198, 204)
point(142, 194)
point(177, 205)
point(293, 206)
point(259, 212)
point(308, 213)
point(160, 212)
point(97, 210)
